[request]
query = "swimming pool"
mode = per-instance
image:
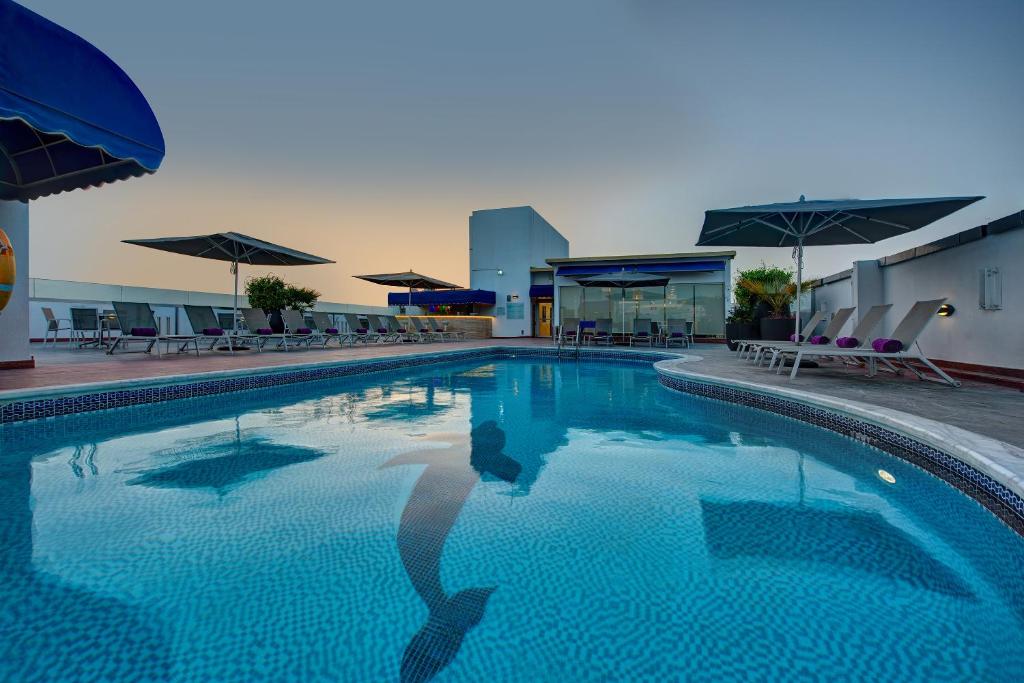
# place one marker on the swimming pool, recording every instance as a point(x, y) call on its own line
point(489, 519)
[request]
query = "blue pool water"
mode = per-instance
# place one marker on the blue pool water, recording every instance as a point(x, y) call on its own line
point(498, 520)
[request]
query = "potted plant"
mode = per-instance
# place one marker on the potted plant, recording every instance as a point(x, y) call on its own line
point(268, 293)
point(740, 325)
point(300, 298)
point(774, 289)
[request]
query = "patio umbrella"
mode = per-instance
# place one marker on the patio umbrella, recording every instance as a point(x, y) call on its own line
point(69, 116)
point(624, 280)
point(407, 279)
point(235, 248)
point(822, 223)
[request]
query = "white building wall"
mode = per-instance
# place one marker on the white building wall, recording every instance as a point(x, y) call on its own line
point(14, 318)
point(972, 334)
point(511, 240)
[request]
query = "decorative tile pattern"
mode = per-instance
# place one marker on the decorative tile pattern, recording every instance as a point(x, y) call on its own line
point(19, 411)
point(1000, 500)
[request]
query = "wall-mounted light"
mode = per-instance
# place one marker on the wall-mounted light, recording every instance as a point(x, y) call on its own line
point(946, 310)
point(500, 271)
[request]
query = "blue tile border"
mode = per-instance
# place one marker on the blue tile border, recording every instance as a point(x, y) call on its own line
point(111, 398)
point(1006, 504)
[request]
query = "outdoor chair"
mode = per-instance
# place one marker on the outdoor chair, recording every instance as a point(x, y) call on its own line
point(401, 330)
point(384, 334)
point(326, 331)
point(827, 336)
point(641, 332)
point(296, 327)
point(899, 347)
point(439, 330)
point(860, 337)
point(54, 325)
point(679, 332)
point(358, 332)
point(206, 327)
point(426, 330)
point(567, 330)
point(748, 348)
point(85, 327)
point(603, 332)
point(457, 335)
point(138, 327)
point(261, 333)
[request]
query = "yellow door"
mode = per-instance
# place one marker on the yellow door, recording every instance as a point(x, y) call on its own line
point(544, 319)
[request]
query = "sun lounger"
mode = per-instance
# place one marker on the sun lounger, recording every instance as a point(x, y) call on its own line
point(641, 332)
point(457, 335)
point(206, 327)
point(296, 327)
point(138, 327)
point(326, 331)
point(439, 330)
point(900, 347)
point(679, 331)
point(358, 332)
point(425, 330)
point(603, 332)
point(260, 333)
point(384, 334)
point(403, 332)
point(567, 330)
point(753, 346)
point(861, 336)
point(827, 336)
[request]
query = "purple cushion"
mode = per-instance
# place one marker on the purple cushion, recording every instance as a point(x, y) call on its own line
point(213, 331)
point(303, 330)
point(143, 332)
point(643, 334)
point(264, 330)
point(602, 333)
point(847, 342)
point(794, 337)
point(331, 330)
point(382, 330)
point(677, 335)
point(424, 330)
point(820, 339)
point(361, 330)
point(887, 345)
point(402, 330)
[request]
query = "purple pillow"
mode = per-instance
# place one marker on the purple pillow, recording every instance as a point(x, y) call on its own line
point(820, 339)
point(678, 335)
point(794, 337)
point(361, 330)
point(643, 334)
point(303, 330)
point(331, 330)
point(887, 345)
point(402, 330)
point(143, 332)
point(382, 330)
point(213, 331)
point(847, 342)
point(264, 330)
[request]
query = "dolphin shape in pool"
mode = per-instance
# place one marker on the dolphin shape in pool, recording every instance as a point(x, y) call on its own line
point(429, 515)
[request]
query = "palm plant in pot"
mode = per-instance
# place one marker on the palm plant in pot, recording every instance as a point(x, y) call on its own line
point(774, 288)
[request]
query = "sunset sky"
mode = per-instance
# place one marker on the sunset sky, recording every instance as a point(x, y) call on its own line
point(367, 132)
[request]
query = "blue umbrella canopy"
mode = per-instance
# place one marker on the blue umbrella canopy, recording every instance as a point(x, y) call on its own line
point(70, 118)
point(823, 222)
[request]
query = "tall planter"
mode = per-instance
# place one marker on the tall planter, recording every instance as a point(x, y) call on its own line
point(776, 329)
point(276, 321)
point(735, 331)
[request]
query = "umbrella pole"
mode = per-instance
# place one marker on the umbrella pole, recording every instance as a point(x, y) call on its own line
point(799, 279)
point(234, 309)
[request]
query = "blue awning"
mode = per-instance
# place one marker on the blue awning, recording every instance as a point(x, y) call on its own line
point(439, 297)
point(670, 267)
point(542, 291)
point(69, 116)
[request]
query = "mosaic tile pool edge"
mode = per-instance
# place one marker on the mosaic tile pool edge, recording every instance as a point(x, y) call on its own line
point(997, 498)
point(107, 399)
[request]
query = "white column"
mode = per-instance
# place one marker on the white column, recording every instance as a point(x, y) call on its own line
point(14, 332)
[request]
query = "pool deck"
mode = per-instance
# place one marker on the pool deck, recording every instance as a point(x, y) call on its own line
point(986, 409)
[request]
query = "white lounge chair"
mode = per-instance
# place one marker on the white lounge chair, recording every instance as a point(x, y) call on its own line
point(206, 327)
point(603, 332)
point(679, 331)
point(900, 347)
point(384, 334)
point(753, 346)
point(295, 325)
point(326, 331)
point(641, 332)
point(260, 333)
point(827, 335)
point(138, 326)
point(860, 337)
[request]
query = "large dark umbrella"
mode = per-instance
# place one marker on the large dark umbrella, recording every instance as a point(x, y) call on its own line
point(822, 223)
point(624, 280)
point(408, 279)
point(235, 248)
point(69, 116)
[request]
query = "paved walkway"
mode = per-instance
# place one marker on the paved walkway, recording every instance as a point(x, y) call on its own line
point(994, 411)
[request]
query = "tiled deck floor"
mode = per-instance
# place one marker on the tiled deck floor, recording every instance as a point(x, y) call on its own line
point(990, 410)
